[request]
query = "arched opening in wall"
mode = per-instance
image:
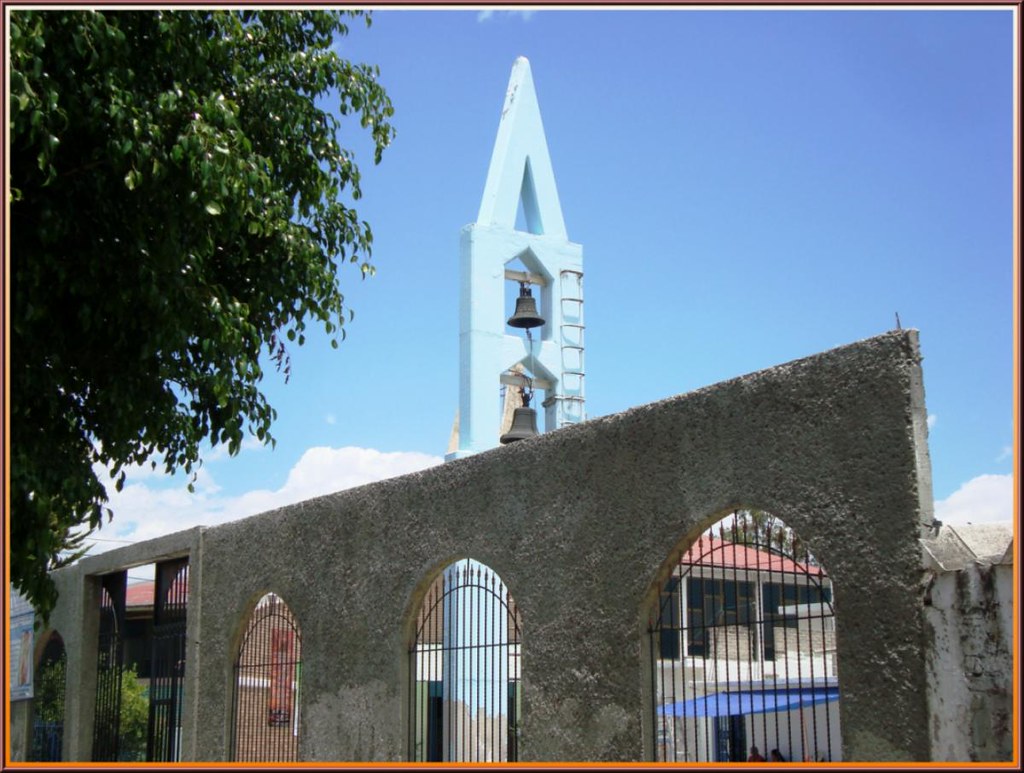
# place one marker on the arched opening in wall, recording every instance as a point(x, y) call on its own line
point(464, 668)
point(49, 684)
point(266, 686)
point(742, 649)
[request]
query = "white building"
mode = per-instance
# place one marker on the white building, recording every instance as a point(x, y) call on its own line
point(743, 654)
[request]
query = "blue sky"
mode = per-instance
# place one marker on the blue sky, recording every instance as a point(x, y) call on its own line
point(749, 187)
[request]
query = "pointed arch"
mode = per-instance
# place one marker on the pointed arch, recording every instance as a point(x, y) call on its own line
point(267, 681)
point(464, 669)
point(528, 200)
point(741, 647)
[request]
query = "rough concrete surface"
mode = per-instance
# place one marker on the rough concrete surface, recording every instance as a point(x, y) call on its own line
point(969, 620)
point(580, 524)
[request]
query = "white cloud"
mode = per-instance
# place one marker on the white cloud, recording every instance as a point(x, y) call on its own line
point(138, 472)
point(143, 511)
point(1005, 454)
point(932, 420)
point(325, 470)
point(220, 451)
point(983, 499)
point(489, 13)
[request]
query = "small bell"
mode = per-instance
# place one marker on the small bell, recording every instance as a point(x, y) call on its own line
point(524, 423)
point(525, 315)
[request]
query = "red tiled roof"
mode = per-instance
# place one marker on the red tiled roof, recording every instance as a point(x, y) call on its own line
point(712, 551)
point(141, 594)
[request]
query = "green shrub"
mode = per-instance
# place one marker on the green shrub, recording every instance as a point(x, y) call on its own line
point(134, 717)
point(49, 691)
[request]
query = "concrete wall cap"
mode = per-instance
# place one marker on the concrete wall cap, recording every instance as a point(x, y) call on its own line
point(960, 545)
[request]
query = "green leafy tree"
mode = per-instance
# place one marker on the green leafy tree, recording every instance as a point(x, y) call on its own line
point(134, 717)
point(178, 212)
point(48, 706)
point(761, 529)
point(48, 699)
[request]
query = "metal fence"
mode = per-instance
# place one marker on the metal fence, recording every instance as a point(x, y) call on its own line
point(167, 665)
point(464, 666)
point(107, 721)
point(48, 703)
point(742, 650)
point(266, 692)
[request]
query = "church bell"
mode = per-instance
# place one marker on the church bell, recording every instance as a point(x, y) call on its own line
point(525, 315)
point(524, 423)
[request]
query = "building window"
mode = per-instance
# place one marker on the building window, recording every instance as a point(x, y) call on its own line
point(712, 603)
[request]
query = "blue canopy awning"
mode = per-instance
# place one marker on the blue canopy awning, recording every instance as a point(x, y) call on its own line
point(750, 702)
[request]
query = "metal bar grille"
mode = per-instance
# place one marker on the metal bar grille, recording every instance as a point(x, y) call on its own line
point(742, 650)
point(465, 691)
point(107, 728)
point(48, 703)
point(267, 679)
point(167, 670)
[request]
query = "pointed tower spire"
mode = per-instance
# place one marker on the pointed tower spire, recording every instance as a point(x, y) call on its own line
point(520, 167)
point(491, 353)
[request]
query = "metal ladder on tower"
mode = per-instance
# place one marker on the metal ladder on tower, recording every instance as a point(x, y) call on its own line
point(571, 341)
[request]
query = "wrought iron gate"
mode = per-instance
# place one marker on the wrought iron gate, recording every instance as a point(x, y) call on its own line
point(107, 727)
point(167, 666)
point(267, 680)
point(464, 670)
point(48, 703)
point(742, 650)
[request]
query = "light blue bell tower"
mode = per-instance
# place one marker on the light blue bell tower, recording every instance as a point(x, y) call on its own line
point(550, 359)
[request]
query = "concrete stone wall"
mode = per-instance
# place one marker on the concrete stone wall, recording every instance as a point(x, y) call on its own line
point(579, 524)
point(20, 728)
point(969, 618)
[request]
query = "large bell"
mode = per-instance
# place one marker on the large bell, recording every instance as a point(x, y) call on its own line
point(524, 425)
point(525, 315)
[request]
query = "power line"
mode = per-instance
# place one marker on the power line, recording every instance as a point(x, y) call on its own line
point(122, 541)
